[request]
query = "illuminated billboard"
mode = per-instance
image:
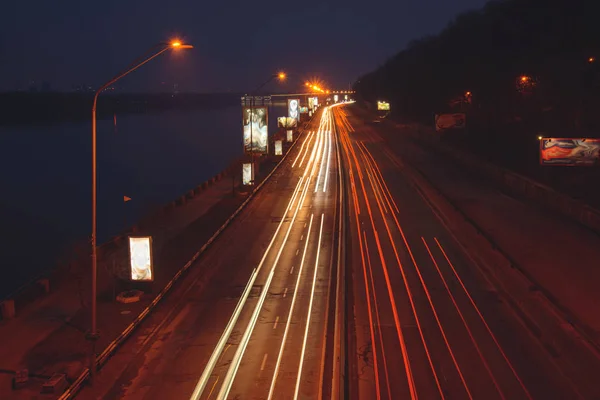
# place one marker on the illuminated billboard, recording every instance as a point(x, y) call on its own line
point(294, 109)
point(345, 97)
point(335, 98)
point(290, 135)
point(311, 103)
point(286, 122)
point(449, 121)
point(569, 151)
point(247, 174)
point(303, 110)
point(383, 106)
point(140, 258)
point(310, 113)
point(255, 129)
point(278, 148)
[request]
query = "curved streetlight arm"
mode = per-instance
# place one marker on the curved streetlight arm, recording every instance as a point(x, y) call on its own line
point(93, 334)
point(128, 71)
point(264, 84)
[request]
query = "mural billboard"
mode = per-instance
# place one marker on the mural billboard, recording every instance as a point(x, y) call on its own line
point(294, 109)
point(256, 129)
point(278, 148)
point(290, 135)
point(449, 121)
point(286, 122)
point(247, 174)
point(140, 258)
point(569, 151)
point(383, 106)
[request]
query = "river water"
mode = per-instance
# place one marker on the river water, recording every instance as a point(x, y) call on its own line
point(45, 173)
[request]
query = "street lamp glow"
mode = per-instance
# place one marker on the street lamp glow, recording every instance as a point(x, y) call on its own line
point(281, 76)
point(93, 334)
point(524, 78)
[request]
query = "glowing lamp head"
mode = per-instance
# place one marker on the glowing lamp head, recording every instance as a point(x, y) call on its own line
point(591, 59)
point(524, 78)
point(281, 76)
point(176, 43)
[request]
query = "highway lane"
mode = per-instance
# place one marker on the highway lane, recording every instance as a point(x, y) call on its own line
point(284, 357)
point(277, 253)
point(426, 323)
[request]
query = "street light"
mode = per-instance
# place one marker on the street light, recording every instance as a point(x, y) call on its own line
point(156, 50)
point(281, 76)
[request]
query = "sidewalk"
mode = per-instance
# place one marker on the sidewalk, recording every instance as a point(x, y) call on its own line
point(47, 336)
point(560, 255)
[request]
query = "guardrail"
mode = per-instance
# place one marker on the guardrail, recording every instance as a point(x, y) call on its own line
point(114, 345)
point(518, 184)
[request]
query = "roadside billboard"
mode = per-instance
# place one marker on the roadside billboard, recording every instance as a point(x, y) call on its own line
point(247, 174)
point(303, 110)
point(311, 103)
point(278, 148)
point(286, 122)
point(335, 98)
point(294, 109)
point(569, 151)
point(449, 121)
point(140, 258)
point(256, 129)
point(290, 135)
point(383, 106)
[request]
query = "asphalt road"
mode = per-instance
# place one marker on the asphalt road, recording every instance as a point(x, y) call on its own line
point(259, 326)
point(425, 323)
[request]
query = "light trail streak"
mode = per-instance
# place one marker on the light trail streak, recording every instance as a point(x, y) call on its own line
point(487, 327)
point(328, 163)
point(235, 363)
point(306, 152)
point(203, 380)
point(289, 320)
point(408, 290)
point(385, 368)
point(308, 314)
point(346, 143)
point(408, 370)
point(462, 318)
point(301, 148)
point(369, 307)
point(321, 166)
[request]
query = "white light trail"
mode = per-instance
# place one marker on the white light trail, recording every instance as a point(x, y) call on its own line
point(289, 320)
point(312, 295)
point(237, 358)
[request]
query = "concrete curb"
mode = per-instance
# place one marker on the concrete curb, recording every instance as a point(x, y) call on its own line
point(76, 386)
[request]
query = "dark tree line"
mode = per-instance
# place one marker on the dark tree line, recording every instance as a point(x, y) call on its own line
point(554, 44)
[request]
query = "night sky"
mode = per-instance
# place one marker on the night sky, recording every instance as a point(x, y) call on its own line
point(238, 44)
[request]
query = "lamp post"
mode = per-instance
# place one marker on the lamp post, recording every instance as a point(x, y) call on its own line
point(281, 76)
point(155, 51)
